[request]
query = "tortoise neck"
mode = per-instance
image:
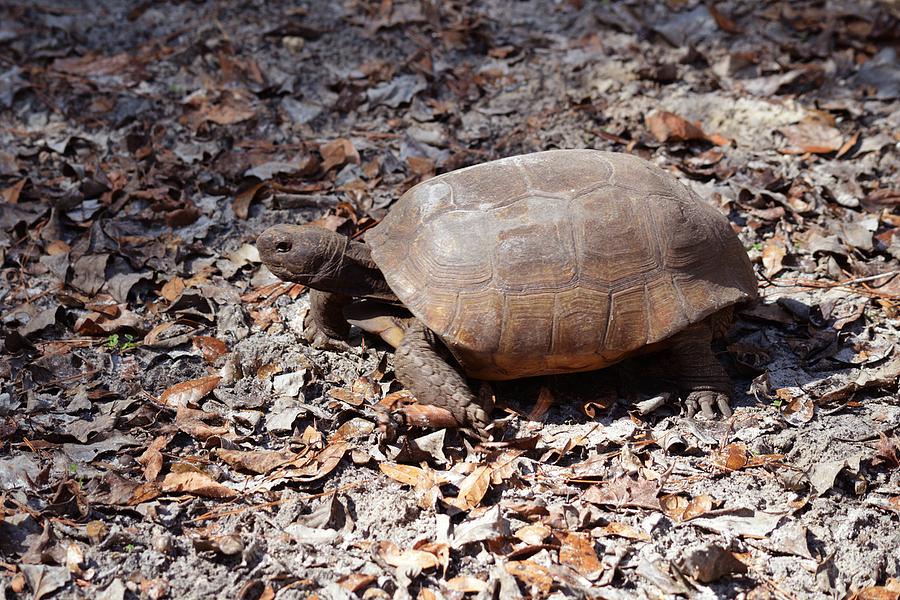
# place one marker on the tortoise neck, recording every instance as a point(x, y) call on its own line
point(352, 272)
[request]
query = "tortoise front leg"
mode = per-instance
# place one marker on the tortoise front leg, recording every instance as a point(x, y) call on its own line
point(326, 327)
point(702, 381)
point(432, 380)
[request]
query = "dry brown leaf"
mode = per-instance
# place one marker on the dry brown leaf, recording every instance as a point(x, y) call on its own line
point(773, 254)
point(848, 145)
point(533, 575)
point(533, 534)
point(407, 474)
point(10, 194)
point(421, 165)
point(241, 204)
point(439, 550)
point(472, 489)
point(152, 458)
point(889, 591)
point(623, 530)
point(338, 153)
point(355, 582)
point(317, 466)
point(811, 136)
point(577, 551)
point(732, 457)
point(669, 127)
point(197, 484)
point(188, 392)
point(211, 348)
point(624, 491)
point(698, 506)
point(467, 584)
point(233, 108)
point(544, 402)
point(256, 461)
point(418, 559)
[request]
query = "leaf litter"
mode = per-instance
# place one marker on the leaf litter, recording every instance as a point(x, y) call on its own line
point(167, 431)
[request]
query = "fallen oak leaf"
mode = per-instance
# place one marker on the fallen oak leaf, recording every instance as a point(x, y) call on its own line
point(406, 474)
point(188, 392)
point(811, 137)
point(472, 489)
point(259, 462)
point(197, 484)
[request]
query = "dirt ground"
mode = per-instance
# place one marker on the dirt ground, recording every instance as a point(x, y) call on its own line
point(166, 431)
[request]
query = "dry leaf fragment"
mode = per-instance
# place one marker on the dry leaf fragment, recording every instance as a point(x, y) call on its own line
point(472, 489)
point(889, 591)
point(256, 461)
point(811, 136)
point(533, 534)
point(211, 348)
point(355, 582)
point(710, 563)
point(538, 579)
point(338, 153)
point(152, 458)
point(418, 560)
point(188, 392)
point(407, 474)
point(241, 204)
point(669, 127)
point(577, 551)
point(198, 484)
point(10, 195)
point(467, 584)
point(732, 457)
point(773, 254)
point(623, 530)
point(440, 550)
point(624, 491)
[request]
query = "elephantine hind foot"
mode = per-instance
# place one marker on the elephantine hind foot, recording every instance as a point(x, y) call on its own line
point(707, 401)
point(433, 380)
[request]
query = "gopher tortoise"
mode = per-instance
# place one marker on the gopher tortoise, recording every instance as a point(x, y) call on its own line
point(554, 262)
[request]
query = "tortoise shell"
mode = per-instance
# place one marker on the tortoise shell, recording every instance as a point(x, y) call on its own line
point(558, 261)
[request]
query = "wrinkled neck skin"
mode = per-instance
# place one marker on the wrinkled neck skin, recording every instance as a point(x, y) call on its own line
point(348, 269)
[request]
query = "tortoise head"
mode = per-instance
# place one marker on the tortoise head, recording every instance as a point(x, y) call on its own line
point(305, 254)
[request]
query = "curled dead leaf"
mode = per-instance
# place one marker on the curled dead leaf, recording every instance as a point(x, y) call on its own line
point(188, 392)
point(472, 489)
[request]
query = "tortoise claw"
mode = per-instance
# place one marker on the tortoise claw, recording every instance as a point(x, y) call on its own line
point(321, 340)
point(707, 401)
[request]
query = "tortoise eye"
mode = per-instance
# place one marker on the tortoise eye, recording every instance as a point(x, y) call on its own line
point(283, 247)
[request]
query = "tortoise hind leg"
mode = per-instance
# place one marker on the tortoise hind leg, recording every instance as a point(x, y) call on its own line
point(703, 383)
point(432, 380)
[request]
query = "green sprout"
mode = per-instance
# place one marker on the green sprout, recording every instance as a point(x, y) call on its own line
point(126, 342)
point(757, 246)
